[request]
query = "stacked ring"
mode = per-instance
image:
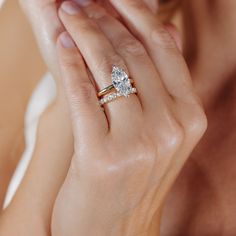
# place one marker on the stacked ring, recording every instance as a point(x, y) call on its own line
point(109, 89)
point(121, 84)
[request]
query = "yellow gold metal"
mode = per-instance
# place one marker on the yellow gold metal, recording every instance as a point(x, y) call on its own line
point(106, 90)
point(109, 89)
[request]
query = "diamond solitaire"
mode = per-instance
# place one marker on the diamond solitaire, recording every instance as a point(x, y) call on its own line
point(121, 81)
point(121, 87)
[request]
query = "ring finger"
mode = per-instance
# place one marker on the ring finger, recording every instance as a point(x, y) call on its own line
point(148, 82)
point(100, 56)
point(156, 102)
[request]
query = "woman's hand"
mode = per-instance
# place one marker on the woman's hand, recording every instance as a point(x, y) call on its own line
point(33, 203)
point(54, 145)
point(43, 17)
point(127, 156)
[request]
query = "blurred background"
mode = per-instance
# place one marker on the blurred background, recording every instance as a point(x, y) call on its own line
point(19, 57)
point(21, 67)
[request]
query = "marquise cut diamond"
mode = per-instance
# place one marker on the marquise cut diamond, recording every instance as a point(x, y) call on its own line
point(121, 81)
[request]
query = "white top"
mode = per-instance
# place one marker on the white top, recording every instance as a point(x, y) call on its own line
point(42, 96)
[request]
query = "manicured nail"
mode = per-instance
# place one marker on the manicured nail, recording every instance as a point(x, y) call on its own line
point(70, 7)
point(83, 3)
point(66, 40)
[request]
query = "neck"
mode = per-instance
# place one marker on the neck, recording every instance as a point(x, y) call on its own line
point(211, 55)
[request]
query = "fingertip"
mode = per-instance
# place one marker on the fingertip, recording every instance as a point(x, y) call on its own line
point(66, 41)
point(70, 8)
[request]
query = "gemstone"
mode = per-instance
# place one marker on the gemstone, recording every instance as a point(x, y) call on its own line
point(113, 96)
point(121, 81)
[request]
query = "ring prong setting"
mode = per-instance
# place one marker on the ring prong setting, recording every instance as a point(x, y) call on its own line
point(121, 81)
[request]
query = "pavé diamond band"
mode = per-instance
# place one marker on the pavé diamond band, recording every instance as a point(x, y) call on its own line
point(121, 83)
point(113, 96)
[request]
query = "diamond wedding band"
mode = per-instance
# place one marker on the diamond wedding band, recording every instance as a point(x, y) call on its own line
point(121, 84)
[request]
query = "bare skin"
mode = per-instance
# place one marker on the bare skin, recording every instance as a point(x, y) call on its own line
point(217, 105)
point(204, 194)
point(16, 85)
point(96, 176)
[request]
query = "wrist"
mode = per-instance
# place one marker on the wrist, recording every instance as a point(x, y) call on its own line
point(97, 216)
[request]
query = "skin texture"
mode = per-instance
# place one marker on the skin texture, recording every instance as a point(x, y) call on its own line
point(106, 171)
point(41, 15)
point(204, 195)
point(48, 153)
point(201, 166)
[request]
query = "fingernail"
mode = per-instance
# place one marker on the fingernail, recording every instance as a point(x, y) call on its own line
point(83, 3)
point(66, 40)
point(70, 7)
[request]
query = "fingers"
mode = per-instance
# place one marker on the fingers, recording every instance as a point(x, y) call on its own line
point(152, 4)
point(46, 26)
point(95, 48)
point(87, 117)
point(157, 105)
point(134, 54)
point(100, 56)
point(170, 64)
point(160, 46)
point(155, 101)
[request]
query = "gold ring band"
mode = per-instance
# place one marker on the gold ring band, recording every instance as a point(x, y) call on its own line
point(122, 85)
point(109, 89)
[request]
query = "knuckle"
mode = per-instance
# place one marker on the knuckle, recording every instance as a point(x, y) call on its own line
point(98, 13)
point(171, 140)
point(85, 26)
point(140, 159)
point(105, 64)
point(87, 91)
point(133, 47)
point(113, 168)
point(113, 59)
point(162, 38)
point(83, 93)
point(197, 124)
